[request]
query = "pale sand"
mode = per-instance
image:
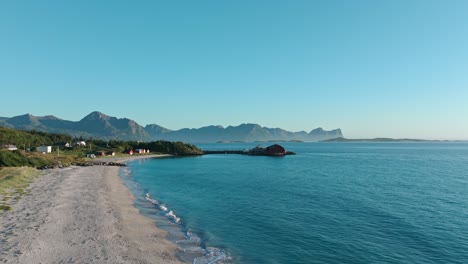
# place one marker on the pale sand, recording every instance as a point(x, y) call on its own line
point(81, 215)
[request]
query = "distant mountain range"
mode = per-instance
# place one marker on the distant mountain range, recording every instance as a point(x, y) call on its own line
point(101, 126)
point(341, 139)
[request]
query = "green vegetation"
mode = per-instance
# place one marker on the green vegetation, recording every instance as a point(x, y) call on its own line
point(160, 146)
point(27, 139)
point(18, 158)
point(5, 207)
point(13, 181)
point(16, 178)
point(65, 156)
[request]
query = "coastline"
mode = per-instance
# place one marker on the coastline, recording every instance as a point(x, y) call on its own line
point(84, 215)
point(126, 159)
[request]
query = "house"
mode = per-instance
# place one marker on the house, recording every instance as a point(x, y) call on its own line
point(10, 147)
point(275, 150)
point(44, 149)
point(63, 145)
point(110, 153)
point(81, 143)
point(130, 152)
point(92, 156)
point(140, 151)
point(101, 153)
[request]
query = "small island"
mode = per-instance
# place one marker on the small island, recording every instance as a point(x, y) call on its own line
point(273, 150)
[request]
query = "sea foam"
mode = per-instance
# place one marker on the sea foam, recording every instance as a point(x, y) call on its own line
point(192, 243)
point(213, 255)
point(153, 201)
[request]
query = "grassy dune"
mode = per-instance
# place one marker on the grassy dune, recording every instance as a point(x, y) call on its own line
point(20, 158)
point(13, 182)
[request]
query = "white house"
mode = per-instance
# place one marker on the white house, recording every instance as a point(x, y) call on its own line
point(81, 143)
point(44, 149)
point(11, 147)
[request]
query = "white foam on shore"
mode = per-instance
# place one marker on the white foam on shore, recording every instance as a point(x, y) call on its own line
point(213, 256)
point(173, 217)
point(192, 243)
point(193, 237)
point(153, 201)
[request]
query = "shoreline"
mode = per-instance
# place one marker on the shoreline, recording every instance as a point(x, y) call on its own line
point(126, 159)
point(85, 215)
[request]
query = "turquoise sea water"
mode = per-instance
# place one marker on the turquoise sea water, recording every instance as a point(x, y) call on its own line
point(330, 203)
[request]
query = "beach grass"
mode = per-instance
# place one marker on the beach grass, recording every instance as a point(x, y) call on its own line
point(13, 182)
point(20, 158)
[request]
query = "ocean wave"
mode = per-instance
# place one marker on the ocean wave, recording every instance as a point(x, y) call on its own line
point(153, 201)
point(173, 217)
point(188, 246)
point(193, 237)
point(213, 256)
point(194, 249)
point(192, 243)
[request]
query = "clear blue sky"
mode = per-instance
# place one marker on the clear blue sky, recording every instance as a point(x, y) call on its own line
point(371, 68)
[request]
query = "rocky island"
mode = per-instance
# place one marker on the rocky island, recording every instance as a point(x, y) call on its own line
point(273, 150)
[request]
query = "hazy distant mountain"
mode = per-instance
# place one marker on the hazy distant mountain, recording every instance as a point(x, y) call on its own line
point(101, 126)
point(321, 134)
point(341, 139)
point(30, 122)
point(244, 132)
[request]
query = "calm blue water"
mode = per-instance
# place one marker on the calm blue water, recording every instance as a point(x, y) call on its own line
point(331, 203)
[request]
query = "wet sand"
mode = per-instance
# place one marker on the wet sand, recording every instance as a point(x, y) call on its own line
point(81, 215)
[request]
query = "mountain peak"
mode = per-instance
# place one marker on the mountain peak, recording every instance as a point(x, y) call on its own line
point(250, 125)
point(50, 117)
point(96, 115)
point(26, 121)
point(321, 132)
point(317, 130)
point(25, 117)
point(212, 126)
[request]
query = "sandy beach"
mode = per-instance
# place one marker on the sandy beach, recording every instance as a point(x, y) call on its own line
point(81, 215)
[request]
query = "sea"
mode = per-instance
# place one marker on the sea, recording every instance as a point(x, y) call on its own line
point(394, 202)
